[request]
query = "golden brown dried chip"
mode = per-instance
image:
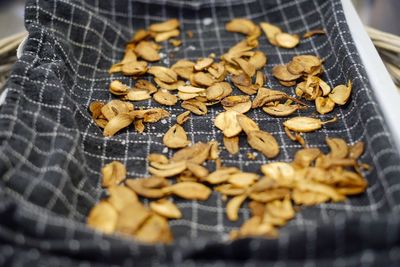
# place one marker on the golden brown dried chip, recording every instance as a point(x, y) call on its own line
point(287, 40)
point(118, 88)
point(270, 195)
point(175, 137)
point(189, 190)
point(167, 170)
point(305, 124)
point(120, 196)
point(134, 68)
point(166, 209)
point(341, 93)
point(221, 175)
point(115, 107)
point(238, 103)
point(306, 156)
point(197, 153)
point(159, 158)
point(228, 123)
point(195, 106)
point(281, 73)
point(198, 170)
point(263, 142)
point(154, 230)
point(164, 97)
point(175, 42)
point(117, 123)
point(242, 79)
point(146, 85)
point(246, 66)
point(356, 150)
point(233, 206)
point(137, 186)
point(260, 79)
point(131, 218)
point(281, 172)
point(147, 51)
point(154, 182)
point(324, 105)
point(103, 217)
point(258, 60)
point(164, 74)
point(181, 118)
point(203, 63)
point(95, 109)
point(230, 190)
point(164, 26)
point(163, 36)
point(241, 25)
point(113, 173)
point(280, 110)
point(246, 123)
point(242, 179)
point(184, 68)
point(308, 198)
point(314, 32)
point(202, 79)
point(338, 147)
point(137, 95)
point(280, 209)
point(270, 31)
point(232, 144)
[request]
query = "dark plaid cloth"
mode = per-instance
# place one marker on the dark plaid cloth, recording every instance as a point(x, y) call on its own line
point(52, 152)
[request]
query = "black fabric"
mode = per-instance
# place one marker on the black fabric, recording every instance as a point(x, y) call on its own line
point(51, 151)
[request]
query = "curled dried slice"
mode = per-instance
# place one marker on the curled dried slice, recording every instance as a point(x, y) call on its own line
point(189, 190)
point(228, 123)
point(195, 106)
point(221, 175)
point(338, 147)
point(155, 114)
point(356, 150)
point(154, 230)
point(306, 156)
point(314, 32)
point(154, 182)
point(260, 79)
point(280, 209)
point(305, 124)
point(230, 190)
point(270, 195)
point(238, 103)
point(324, 105)
point(196, 153)
point(165, 98)
point(281, 73)
point(258, 60)
point(281, 172)
point(120, 196)
point(181, 118)
point(242, 179)
point(233, 206)
point(246, 66)
point(232, 144)
point(161, 37)
point(132, 217)
point(117, 123)
point(115, 107)
point(270, 31)
point(167, 170)
point(164, 26)
point(191, 89)
point(175, 137)
point(321, 188)
point(137, 186)
point(308, 198)
point(113, 173)
point(160, 158)
point(146, 85)
point(118, 88)
point(203, 79)
point(263, 142)
point(166, 209)
point(103, 217)
point(139, 35)
point(203, 63)
point(287, 40)
point(247, 124)
point(341, 93)
point(95, 109)
point(309, 63)
point(242, 79)
point(281, 110)
point(215, 92)
point(244, 26)
point(198, 170)
point(137, 95)
point(134, 68)
point(184, 68)
point(164, 74)
point(146, 51)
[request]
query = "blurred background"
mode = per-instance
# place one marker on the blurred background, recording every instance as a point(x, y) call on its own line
point(379, 14)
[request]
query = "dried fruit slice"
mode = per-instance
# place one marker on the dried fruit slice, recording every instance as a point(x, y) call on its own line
point(228, 123)
point(165, 98)
point(166, 209)
point(270, 195)
point(287, 40)
point(197, 153)
point(341, 93)
point(146, 85)
point(222, 175)
point(281, 73)
point(115, 107)
point(161, 37)
point(308, 198)
point(305, 124)
point(195, 106)
point(202, 79)
point(314, 32)
point(154, 230)
point(137, 186)
point(184, 68)
point(240, 25)
point(134, 68)
point(113, 173)
point(270, 31)
point(246, 123)
point(164, 74)
point(246, 66)
point(238, 103)
point(356, 150)
point(181, 118)
point(281, 172)
point(232, 144)
point(324, 105)
point(258, 60)
point(230, 190)
point(242, 179)
point(120, 196)
point(137, 95)
point(338, 147)
point(281, 110)
point(103, 217)
point(118, 88)
point(164, 26)
point(203, 63)
point(189, 190)
point(233, 206)
point(132, 217)
point(146, 51)
point(154, 182)
point(306, 156)
point(175, 137)
point(117, 123)
point(263, 142)
point(167, 170)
